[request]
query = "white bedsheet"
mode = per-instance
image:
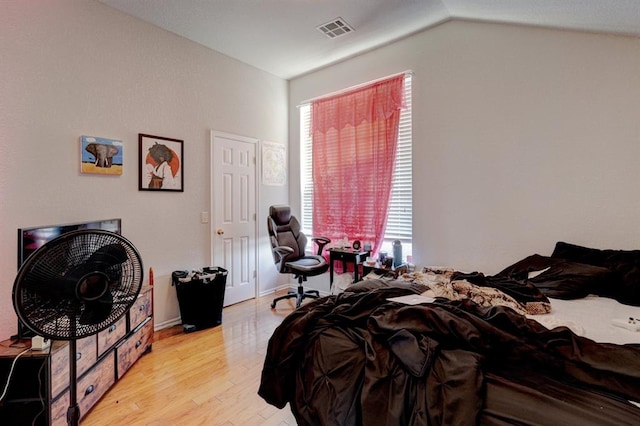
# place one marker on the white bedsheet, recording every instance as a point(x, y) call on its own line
point(592, 317)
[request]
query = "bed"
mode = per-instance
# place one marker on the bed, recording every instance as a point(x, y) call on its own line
point(533, 344)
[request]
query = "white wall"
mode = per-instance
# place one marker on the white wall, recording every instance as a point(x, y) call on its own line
point(72, 68)
point(522, 137)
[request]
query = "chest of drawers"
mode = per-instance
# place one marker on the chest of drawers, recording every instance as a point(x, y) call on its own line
point(39, 389)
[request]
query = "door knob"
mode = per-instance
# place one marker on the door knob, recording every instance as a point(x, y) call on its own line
point(220, 231)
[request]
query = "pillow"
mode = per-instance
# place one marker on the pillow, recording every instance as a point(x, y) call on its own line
point(559, 278)
point(624, 264)
point(522, 268)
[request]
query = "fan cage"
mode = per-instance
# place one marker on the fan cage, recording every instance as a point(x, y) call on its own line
point(48, 287)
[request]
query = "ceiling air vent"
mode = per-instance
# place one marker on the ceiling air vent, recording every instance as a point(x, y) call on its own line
point(336, 28)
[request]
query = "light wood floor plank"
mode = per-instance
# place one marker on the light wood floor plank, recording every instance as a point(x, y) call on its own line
point(208, 377)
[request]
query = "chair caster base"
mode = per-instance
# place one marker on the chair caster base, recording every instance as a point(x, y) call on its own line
point(299, 295)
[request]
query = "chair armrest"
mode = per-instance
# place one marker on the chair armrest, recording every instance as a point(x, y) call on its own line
point(321, 242)
point(282, 252)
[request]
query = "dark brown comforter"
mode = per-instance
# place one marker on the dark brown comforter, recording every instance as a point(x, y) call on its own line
point(358, 359)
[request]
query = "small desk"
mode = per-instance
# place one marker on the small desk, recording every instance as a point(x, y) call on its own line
point(346, 255)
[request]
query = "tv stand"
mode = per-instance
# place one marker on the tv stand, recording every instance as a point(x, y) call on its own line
point(39, 389)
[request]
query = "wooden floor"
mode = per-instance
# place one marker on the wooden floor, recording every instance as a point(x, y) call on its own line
point(208, 377)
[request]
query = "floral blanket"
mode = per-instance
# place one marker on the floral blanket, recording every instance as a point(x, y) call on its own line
point(453, 285)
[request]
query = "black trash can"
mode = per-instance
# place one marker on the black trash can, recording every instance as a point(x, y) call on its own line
point(200, 296)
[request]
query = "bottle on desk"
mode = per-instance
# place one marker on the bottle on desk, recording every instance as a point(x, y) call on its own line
point(397, 253)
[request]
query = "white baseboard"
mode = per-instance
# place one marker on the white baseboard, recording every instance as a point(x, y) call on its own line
point(166, 324)
point(283, 287)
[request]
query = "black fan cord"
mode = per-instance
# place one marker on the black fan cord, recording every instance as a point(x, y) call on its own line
point(13, 364)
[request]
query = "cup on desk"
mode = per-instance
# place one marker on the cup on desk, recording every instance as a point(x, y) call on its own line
point(382, 256)
point(370, 261)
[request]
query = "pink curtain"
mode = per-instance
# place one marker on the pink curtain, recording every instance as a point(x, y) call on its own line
point(355, 136)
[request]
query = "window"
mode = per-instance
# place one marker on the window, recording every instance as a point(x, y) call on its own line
point(399, 222)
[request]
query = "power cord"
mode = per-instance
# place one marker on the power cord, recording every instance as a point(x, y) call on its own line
point(13, 364)
point(42, 405)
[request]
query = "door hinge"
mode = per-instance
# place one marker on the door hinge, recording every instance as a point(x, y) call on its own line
point(255, 274)
point(255, 217)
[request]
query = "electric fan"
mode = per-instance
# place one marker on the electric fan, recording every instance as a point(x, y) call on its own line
point(74, 286)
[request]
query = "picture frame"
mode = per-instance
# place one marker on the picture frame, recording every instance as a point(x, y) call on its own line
point(160, 163)
point(101, 156)
point(274, 163)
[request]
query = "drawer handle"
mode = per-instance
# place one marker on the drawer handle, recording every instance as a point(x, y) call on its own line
point(112, 328)
point(138, 343)
point(89, 390)
point(78, 356)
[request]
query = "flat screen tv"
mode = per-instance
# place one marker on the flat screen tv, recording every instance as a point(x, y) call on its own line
point(31, 239)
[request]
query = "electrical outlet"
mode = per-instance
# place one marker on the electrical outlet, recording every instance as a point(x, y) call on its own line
point(39, 343)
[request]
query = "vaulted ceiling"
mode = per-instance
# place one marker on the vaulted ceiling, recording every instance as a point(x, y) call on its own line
point(282, 36)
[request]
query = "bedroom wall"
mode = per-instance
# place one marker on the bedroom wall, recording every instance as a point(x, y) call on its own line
point(522, 137)
point(72, 68)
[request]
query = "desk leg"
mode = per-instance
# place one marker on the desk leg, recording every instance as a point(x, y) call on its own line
point(356, 267)
point(330, 273)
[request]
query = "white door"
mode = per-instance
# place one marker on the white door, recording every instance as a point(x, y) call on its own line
point(233, 206)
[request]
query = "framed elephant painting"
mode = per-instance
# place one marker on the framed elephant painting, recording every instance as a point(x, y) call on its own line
point(161, 163)
point(101, 155)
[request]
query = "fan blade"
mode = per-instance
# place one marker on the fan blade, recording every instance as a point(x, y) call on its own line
point(109, 255)
point(96, 311)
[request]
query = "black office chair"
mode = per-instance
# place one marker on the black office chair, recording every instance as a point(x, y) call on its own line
point(288, 244)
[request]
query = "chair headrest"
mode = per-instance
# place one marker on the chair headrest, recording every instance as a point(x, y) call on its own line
point(281, 215)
